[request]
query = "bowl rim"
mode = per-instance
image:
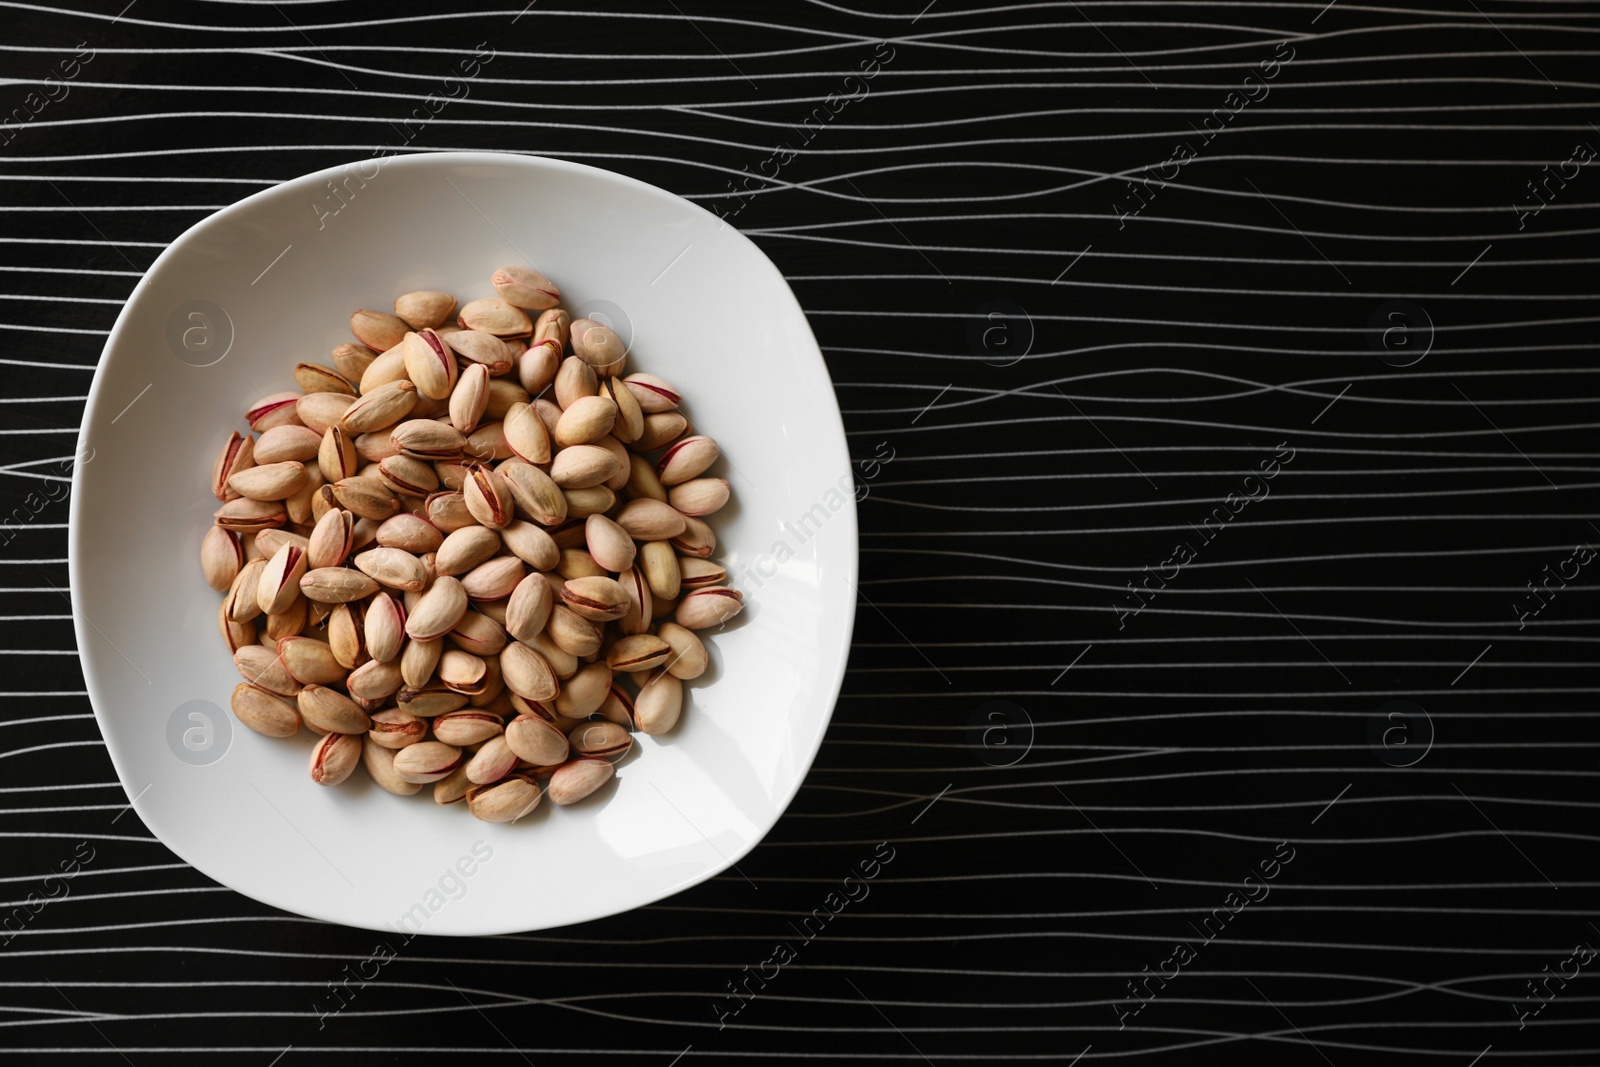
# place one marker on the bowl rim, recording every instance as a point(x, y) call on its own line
point(532, 162)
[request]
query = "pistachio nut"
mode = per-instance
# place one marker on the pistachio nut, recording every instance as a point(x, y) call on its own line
point(409, 532)
point(280, 579)
point(662, 569)
point(526, 288)
point(659, 703)
point(492, 762)
point(697, 539)
point(493, 580)
point(661, 430)
point(469, 397)
point(453, 787)
point(278, 409)
point(221, 556)
point(526, 672)
point(463, 728)
point(639, 652)
point(428, 439)
point(537, 495)
point(327, 710)
point(347, 634)
point(688, 458)
point(269, 481)
point(581, 466)
point(629, 423)
point(585, 421)
point(495, 316)
point(572, 632)
point(377, 330)
point(688, 658)
point(595, 598)
point(393, 567)
point(260, 666)
point(535, 740)
point(380, 408)
point(699, 496)
point(425, 308)
point(264, 711)
point(237, 455)
point(599, 346)
point(318, 411)
point(489, 498)
point(309, 660)
point(426, 761)
point(334, 757)
point(331, 539)
point(397, 729)
point(431, 699)
point(585, 691)
point(577, 779)
point(352, 360)
point(641, 605)
point(604, 739)
point(505, 801)
point(379, 762)
point(710, 606)
point(651, 520)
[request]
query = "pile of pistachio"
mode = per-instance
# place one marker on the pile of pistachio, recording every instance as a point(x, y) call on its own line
point(463, 557)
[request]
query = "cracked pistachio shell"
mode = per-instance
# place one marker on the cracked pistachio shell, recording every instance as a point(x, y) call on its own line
point(430, 362)
point(655, 395)
point(221, 556)
point(688, 458)
point(504, 801)
point(526, 288)
point(707, 607)
point(270, 481)
point(334, 758)
point(237, 454)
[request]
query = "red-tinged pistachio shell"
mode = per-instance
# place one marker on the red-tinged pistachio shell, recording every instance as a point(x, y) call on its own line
point(488, 443)
point(448, 511)
point(576, 780)
point(564, 664)
point(264, 712)
point(393, 567)
point(336, 585)
point(504, 394)
point(410, 532)
point(427, 762)
point(288, 442)
point(310, 661)
point(430, 363)
point(397, 729)
point(525, 288)
point(536, 368)
point(662, 569)
point(367, 497)
point(526, 434)
point(260, 666)
point(347, 634)
point(526, 673)
point(493, 579)
point(352, 361)
point(528, 609)
point(237, 455)
point(531, 544)
point(432, 698)
point(617, 707)
point(629, 423)
point(697, 538)
point(651, 520)
point(337, 457)
point(465, 548)
point(688, 458)
point(270, 481)
point(484, 349)
point(462, 672)
point(713, 606)
point(495, 316)
point(462, 728)
point(453, 787)
point(438, 611)
point(479, 634)
point(609, 544)
point(408, 475)
point(536, 740)
point(689, 658)
point(331, 539)
point(551, 330)
point(488, 497)
point(655, 395)
point(659, 431)
point(492, 762)
point(572, 632)
point(334, 758)
point(575, 380)
point(640, 652)
point(641, 607)
point(379, 762)
point(330, 711)
point(659, 703)
point(221, 556)
point(248, 516)
point(425, 308)
point(378, 330)
point(599, 346)
point(374, 680)
point(595, 598)
point(280, 580)
point(428, 439)
point(582, 466)
point(583, 693)
point(235, 634)
point(700, 496)
point(537, 495)
point(504, 801)
point(577, 563)
point(469, 398)
point(240, 601)
point(275, 410)
point(383, 407)
point(321, 410)
point(385, 628)
point(390, 366)
point(604, 739)
point(315, 378)
point(701, 573)
point(588, 419)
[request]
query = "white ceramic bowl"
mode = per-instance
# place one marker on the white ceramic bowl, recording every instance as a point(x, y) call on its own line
point(223, 315)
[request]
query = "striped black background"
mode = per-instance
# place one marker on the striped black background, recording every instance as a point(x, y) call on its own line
point(1056, 423)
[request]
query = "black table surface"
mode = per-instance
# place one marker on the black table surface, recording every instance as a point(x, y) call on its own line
point(1221, 687)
